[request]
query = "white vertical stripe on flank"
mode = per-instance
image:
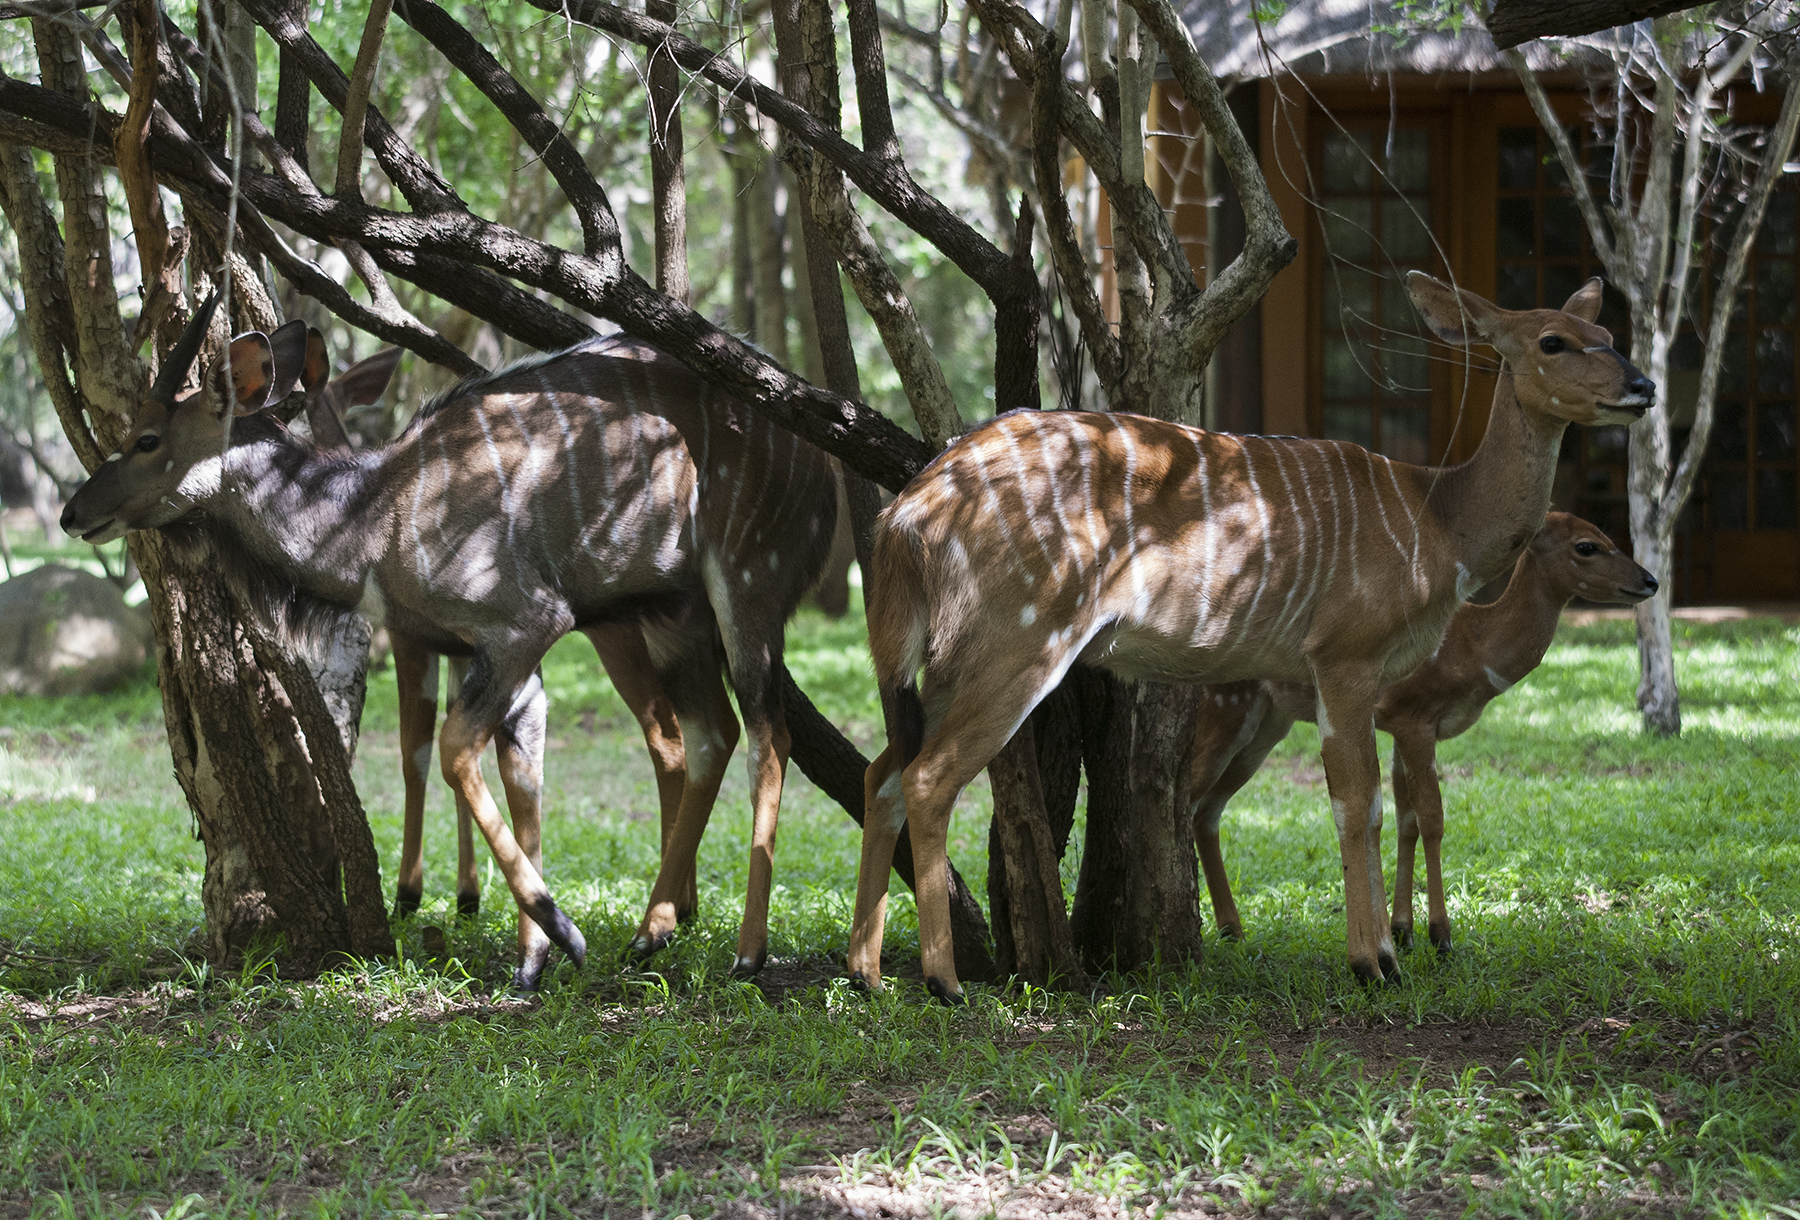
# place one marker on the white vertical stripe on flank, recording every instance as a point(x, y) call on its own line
point(571, 470)
point(1204, 611)
point(1140, 594)
point(1288, 609)
point(1337, 449)
point(1375, 491)
point(1085, 457)
point(1024, 482)
point(1418, 540)
point(420, 554)
point(998, 512)
point(1329, 558)
point(1262, 511)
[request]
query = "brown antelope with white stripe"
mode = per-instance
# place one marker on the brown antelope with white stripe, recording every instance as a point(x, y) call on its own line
point(1486, 650)
point(601, 484)
point(1163, 552)
point(621, 646)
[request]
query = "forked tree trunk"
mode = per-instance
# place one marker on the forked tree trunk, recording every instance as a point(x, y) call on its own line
point(289, 857)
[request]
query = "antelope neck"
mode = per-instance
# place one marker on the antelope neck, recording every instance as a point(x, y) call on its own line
point(314, 516)
point(1497, 499)
point(1514, 632)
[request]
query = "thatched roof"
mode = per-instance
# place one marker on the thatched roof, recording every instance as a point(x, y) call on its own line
point(1344, 37)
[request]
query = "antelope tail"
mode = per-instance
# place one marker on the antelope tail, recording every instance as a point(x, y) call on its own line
point(899, 623)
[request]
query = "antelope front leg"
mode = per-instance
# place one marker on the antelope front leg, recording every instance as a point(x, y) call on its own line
point(884, 815)
point(460, 745)
point(1421, 813)
point(468, 885)
point(1352, 774)
point(416, 679)
point(520, 745)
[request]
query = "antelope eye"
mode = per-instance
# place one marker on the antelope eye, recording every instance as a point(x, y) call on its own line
point(1550, 345)
point(147, 442)
point(1584, 549)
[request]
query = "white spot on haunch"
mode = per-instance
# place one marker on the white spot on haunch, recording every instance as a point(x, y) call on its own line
point(1555, 401)
point(1500, 685)
point(1028, 616)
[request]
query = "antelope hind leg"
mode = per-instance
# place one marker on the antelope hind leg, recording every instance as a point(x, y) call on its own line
point(520, 745)
point(464, 736)
point(884, 815)
point(1420, 758)
point(468, 885)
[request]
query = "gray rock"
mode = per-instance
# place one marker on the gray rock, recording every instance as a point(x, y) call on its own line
point(66, 632)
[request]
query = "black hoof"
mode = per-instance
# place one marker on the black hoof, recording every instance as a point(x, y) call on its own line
point(527, 976)
point(1230, 931)
point(406, 901)
point(749, 967)
point(1441, 938)
point(941, 992)
point(1403, 935)
point(1390, 967)
point(686, 915)
point(468, 906)
point(642, 948)
point(1366, 973)
point(559, 928)
point(859, 983)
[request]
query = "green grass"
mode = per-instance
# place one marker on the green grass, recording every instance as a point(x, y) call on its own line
point(1616, 1033)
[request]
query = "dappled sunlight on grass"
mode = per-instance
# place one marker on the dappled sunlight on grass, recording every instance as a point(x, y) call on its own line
point(1614, 1032)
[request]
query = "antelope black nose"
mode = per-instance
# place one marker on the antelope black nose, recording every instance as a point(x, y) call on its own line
point(1650, 582)
point(1641, 387)
point(67, 527)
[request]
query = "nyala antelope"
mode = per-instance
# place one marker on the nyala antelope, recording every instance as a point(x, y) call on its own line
point(601, 484)
point(1157, 551)
point(1486, 650)
point(620, 646)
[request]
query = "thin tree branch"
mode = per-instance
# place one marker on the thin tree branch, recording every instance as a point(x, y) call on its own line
point(1598, 232)
point(348, 180)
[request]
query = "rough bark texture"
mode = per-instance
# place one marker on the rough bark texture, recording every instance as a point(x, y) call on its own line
point(1514, 21)
point(1137, 900)
point(668, 174)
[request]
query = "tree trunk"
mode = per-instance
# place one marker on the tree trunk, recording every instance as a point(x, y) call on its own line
point(1055, 734)
point(668, 175)
point(1658, 697)
point(1138, 898)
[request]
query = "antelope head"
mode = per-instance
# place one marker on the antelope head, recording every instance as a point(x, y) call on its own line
point(329, 399)
point(1562, 363)
point(1583, 562)
point(172, 454)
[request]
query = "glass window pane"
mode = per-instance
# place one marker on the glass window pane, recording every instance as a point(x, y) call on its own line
point(1348, 424)
point(1409, 164)
point(1731, 432)
point(1404, 235)
point(1516, 231)
point(1562, 227)
point(1774, 431)
point(1775, 507)
point(1733, 378)
point(1560, 282)
point(1347, 166)
point(1730, 507)
point(1518, 158)
point(1407, 365)
point(1517, 287)
point(1780, 232)
point(1346, 368)
point(1775, 292)
point(1406, 434)
point(1348, 235)
point(1349, 296)
point(1775, 361)
point(1397, 310)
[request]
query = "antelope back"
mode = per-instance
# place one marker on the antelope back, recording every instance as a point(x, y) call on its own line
point(172, 453)
point(613, 473)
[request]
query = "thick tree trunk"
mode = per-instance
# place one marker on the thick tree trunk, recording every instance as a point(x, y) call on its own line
point(668, 175)
point(1138, 898)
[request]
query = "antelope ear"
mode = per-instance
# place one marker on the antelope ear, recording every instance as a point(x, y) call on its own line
point(1454, 315)
point(1586, 302)
point(317, 370)
point(288, 345)
point(252, 364)
point(366, 380)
